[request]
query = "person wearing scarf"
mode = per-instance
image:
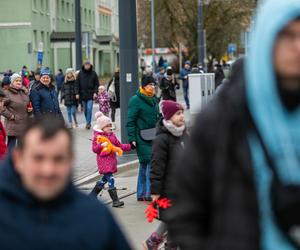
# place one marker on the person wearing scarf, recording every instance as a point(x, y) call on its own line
point(143, 114)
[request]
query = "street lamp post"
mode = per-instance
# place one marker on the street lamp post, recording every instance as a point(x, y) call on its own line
point(128, 58)
point(78, 35)
point(153, 33)
point(201, 43)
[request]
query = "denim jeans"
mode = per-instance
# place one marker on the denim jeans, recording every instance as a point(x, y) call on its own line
point(107, 178)
point(185, 86)
point(71, 113)
point(88, 110)
point(143, 183)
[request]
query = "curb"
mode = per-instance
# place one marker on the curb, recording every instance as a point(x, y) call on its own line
point(95, 176)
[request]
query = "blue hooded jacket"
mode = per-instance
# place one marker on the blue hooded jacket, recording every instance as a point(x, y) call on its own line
point(278, 127)
point(73, 221)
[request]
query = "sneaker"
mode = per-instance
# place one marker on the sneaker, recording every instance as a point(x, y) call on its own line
point(153, 242)
point(88, 126)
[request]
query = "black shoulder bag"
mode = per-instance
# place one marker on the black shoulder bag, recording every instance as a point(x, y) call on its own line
point(285, 201)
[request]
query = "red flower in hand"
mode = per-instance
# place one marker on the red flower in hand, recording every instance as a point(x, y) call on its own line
point(151, 212)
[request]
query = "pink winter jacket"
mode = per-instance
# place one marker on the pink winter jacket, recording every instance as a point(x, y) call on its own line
point(107, 164)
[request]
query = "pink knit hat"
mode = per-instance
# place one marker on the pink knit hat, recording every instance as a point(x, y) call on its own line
point(101, 121)
point(169, 108)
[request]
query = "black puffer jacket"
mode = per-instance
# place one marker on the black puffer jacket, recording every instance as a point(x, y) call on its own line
point(69, 92)
point(168, 89)
point(214, 203)
point(164, 150)
point(88, 84)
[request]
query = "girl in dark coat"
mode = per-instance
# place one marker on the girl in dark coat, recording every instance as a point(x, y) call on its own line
point(113, 90)
point(168, 142)
point(69, 91)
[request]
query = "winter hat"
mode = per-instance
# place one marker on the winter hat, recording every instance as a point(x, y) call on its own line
point(146, 80)
point(188, 62)
point(45, 71)
point(169, 108)
point(5, 80)
point(70, 70)
point(101, 121)
point(14, 77)
point(37, 72)
point(169, 71)
point(101, 87)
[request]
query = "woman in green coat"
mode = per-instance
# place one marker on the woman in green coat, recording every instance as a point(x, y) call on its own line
point(143, 114)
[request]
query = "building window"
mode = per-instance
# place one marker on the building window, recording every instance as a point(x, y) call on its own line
point(68, 10)
point(63, 13)
point(73, 12)
point(35, 40)
point(34, 4)
point(85, 16)
point(42, 5)
point(43, 38)
point(57, 8)
point(90, 17)
point(47, 6)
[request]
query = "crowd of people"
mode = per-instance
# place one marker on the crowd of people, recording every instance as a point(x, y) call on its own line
point(233, 179)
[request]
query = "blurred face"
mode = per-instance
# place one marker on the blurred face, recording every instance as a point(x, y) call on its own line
point(17, 83)
point(187, 66)
point(37, 77)
point(107, 129)
point(287, 51)
point(178, 118)
point(44, 165)
point(150, 87)
point(101, 90)
point(45, 79)
point(70, 76)
point(87, 66)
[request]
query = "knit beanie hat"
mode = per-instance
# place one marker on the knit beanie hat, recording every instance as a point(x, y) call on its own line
point(70, 70)
point(101, 121)
point(169, 108)
point(169, 72)
point(146, 80)
point(45, 71)
point(14, 77)
point(5, 80)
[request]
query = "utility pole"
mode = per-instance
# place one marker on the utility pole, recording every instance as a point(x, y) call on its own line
point(153, 34)
point(78, 39)
point(128, 58)
point(201, 43)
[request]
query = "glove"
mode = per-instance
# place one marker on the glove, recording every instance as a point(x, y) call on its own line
point(133, 146)
point(104, 144)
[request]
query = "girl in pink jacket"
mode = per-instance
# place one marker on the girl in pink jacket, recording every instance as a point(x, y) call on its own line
point(107, 162)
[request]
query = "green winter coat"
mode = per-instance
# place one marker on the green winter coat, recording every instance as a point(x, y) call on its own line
point(143, 113)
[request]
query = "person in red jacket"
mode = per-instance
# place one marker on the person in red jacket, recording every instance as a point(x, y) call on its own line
point(3, 147)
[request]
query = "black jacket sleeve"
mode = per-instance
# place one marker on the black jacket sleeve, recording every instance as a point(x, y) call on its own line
point(96, 83)
point(188, 216)
point(159, 163)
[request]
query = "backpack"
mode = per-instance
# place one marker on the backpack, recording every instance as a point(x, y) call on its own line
point(112, 91)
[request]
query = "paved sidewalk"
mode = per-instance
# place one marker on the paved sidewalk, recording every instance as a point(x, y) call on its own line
point(131, 217)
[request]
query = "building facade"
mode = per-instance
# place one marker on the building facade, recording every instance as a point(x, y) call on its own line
point(47, 27)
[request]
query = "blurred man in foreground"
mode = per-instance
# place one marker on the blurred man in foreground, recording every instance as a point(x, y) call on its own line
point(39, 206)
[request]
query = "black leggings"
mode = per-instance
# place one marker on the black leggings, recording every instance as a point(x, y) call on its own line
point(113, 114)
